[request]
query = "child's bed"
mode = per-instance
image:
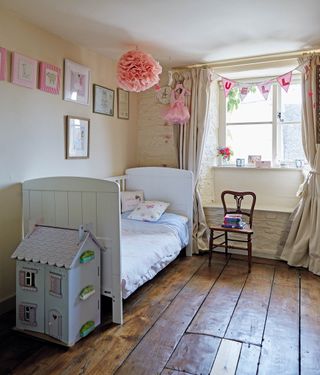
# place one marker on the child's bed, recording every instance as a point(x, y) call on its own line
point(134, 251)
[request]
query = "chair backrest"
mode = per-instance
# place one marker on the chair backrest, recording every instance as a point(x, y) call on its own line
point(238, 197)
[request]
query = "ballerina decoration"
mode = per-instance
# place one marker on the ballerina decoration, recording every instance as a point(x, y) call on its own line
point(178, 112)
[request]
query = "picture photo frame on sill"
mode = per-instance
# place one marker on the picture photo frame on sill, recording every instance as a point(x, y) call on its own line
point(76, 82)
point(103, 100)
point(123, 104)
point(77, 137)
point(24, 71)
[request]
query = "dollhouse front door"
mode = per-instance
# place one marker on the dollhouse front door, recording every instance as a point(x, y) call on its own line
point(55, 324)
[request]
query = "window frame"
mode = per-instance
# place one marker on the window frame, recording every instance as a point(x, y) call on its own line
point(277, 93)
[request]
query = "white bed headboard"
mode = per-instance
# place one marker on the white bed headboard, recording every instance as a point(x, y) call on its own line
point(167, 184)
point(70, 202)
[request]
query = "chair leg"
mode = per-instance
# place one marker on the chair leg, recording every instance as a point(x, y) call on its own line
point(210, 246)
point(226, 243)
point(249, 253)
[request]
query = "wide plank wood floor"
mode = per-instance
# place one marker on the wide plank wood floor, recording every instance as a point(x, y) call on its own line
point(193, 319)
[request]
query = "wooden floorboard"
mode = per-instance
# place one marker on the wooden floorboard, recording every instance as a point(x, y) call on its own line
point(193, 319)
point(227, 358)
point(195, 354)
point(280, 349)
point(310, 324)
point(249, 359)
point(248, 320)
point(215, 313)
point(154, 350)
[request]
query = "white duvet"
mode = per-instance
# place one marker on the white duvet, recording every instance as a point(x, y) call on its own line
point(146, 249)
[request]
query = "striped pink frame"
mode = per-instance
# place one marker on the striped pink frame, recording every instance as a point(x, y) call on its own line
point(3, 63)
point(49, 72)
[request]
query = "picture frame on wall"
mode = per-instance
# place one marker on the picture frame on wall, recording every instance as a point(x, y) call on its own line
point(76, 82)
point(123, 104)
point(49, 78)
point(103, 100)
point(24, 71)
point(77, 137)
point(3, 64)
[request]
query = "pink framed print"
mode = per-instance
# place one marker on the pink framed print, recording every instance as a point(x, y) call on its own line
point(3, 63)
point(24, 71)
point(49, 79)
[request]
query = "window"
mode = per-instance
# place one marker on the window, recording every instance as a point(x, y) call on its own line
point(27, 313)
point(30, 279)
point(27, 279)
point(270, 128)
point(55, 285)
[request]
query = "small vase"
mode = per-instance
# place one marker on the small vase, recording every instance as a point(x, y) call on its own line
point(223, 162)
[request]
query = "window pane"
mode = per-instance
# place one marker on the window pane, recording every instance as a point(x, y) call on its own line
point(254, 108)
point(247, 140)
point(291, 143)
point(291, 103)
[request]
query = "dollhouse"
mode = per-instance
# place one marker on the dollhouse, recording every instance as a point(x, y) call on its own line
point(58, 283)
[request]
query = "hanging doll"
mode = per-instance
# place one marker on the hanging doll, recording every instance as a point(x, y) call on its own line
point(178, 112)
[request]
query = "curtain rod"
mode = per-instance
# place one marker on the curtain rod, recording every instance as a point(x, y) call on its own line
point(249, 60)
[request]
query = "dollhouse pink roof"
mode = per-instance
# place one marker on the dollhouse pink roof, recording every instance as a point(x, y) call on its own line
point(48, 245)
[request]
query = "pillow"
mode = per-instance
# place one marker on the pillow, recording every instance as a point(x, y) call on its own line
point(149, 211)
point(130, 200)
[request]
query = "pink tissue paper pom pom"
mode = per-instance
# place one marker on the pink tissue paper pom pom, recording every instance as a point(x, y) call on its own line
point(137, 71)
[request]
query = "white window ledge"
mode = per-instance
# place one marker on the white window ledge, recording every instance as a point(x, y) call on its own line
point(258, 169)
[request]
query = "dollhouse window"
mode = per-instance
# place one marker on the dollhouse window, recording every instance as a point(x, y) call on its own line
point(27, 279)
point(27, 314)
point(55, 285)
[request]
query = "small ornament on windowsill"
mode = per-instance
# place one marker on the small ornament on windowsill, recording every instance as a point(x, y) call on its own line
point(223, 155)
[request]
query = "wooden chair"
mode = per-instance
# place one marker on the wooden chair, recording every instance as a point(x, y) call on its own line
point(246, 231)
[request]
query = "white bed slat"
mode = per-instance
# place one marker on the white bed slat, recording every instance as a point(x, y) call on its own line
point(26, 211)
point(75, 209)
point(62, 214)
point(89, 210)
point(36, 213)
point(48, 208)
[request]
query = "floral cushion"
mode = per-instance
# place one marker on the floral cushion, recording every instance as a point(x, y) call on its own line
point(130, 200)
point(149, 211)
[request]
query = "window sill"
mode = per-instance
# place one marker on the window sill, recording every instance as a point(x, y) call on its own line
point(258, 169)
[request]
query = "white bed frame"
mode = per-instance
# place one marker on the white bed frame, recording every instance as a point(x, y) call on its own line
point(72, 201)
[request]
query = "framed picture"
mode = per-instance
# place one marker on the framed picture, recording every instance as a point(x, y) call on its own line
point(24, 71)
point(76, 82)
point(77, 137)
point(252, 159)
point(49, 78)
point(103, 100)
point(123, 104)
point(3, 63)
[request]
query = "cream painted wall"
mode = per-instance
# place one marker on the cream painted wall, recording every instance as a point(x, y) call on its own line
point(155, 138)
point(32, 131)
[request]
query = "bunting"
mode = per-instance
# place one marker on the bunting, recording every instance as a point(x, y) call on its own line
point(264, 87)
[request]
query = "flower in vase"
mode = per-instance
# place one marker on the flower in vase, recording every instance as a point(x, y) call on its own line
point(224, 153)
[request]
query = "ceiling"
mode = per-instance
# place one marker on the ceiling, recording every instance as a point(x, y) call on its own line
point(179, 32)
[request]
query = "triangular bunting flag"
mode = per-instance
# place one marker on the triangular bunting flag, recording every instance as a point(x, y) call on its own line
point(285, 80)
point(265, 88)
point(227, 85)
point(243, 92)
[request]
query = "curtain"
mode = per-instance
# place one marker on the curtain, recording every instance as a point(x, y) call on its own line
point(190, 144)
point(302, 247)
